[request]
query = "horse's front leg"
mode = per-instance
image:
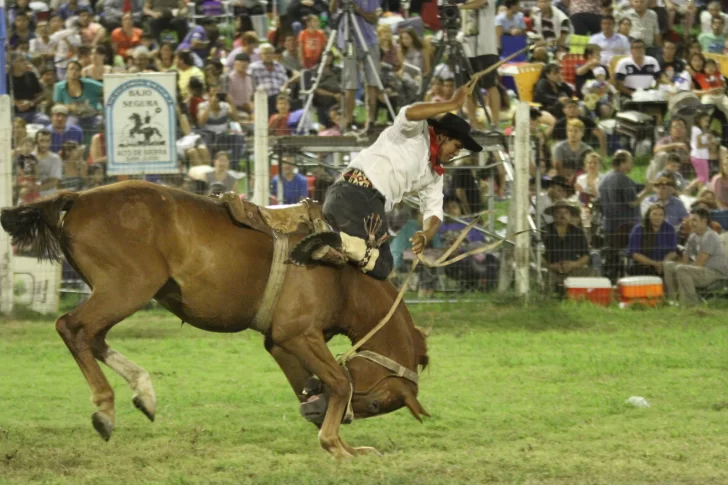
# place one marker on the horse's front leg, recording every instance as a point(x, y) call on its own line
point(310, 348)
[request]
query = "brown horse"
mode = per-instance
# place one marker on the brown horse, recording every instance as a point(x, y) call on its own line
point(134, 241)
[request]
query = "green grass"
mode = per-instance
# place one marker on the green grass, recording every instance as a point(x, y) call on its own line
point(518, 394)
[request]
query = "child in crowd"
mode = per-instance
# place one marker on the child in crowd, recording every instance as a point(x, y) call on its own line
point(278, 123)
point(699, 146)
point(311, 42)
point(672, 168)
point(711, 87)
point(600, 95)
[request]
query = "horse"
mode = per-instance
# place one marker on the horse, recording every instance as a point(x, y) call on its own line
point(136, 241)
point(146, 131)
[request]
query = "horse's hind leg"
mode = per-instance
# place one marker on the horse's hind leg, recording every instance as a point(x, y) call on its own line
point(139, 380)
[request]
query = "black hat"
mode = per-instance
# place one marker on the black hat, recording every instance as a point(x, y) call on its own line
point(457, 128)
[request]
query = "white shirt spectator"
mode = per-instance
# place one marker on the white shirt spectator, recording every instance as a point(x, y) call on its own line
point(644, 27)
point(399, 163)
point(706, 19)
point(64, 39)
point(49, 167)
point(216, 122)
point(637, 77)
point(616, 45)
point(38, 47)
point(695, 152)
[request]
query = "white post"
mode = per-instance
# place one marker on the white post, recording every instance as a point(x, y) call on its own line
point(520, 197)
point(261, 188)
point(6, 200)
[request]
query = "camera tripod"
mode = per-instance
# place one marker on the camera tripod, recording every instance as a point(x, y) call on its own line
point(347, 16)
point(458, 64)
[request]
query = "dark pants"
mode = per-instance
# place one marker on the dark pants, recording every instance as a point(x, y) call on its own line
point(586, 23)
point(178, 24)
point(345, 208)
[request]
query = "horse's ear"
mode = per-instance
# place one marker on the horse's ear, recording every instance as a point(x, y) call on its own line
point(415, 407)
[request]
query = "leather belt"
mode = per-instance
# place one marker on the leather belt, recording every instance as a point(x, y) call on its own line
point(357, 177)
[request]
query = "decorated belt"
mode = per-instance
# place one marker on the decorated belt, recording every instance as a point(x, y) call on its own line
point(357, 177)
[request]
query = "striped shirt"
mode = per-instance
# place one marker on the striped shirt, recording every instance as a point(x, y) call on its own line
point(216, 122)
point(271, 80)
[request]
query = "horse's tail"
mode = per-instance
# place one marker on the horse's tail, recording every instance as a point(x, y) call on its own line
point(37, 226)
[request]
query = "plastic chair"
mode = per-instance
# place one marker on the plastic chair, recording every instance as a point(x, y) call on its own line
point(569, 63)
point(613, 68)
point(511, 44)
point(722, 61)
point(526, 79)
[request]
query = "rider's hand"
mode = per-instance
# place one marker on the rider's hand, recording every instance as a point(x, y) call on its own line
point(460, 95)
point(419, 241)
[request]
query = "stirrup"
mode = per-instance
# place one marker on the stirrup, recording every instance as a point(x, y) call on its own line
point(318, 248)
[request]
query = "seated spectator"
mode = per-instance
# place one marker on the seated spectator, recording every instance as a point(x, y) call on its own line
point(704, 201)
point(75, 169)
point(707, 16)
point(696, 64)
point(50, 168)
point(714, 41)
point(41, 47)
point(557, 189)
point(20, 7)
point(637, 71)
point(221, 174)
point(389, 51)
point(164, 59)
point(71, 8)
point(270, 75)
point(197, 97)
point(249, 45)
point(187, 70)
point(61, 130)
point(213, 118)
point(141, 60)
point(670, 63)
point(587, 183)
point(162, 18)
point(568, 155)
point(82, 97)
point(702, 263)
point(674, 208)
point(510, 22)
point(295, 185)
point(600, 97)
point(126, 37)
point(624, 27)
point(652, 243)
point(672, 169)
point(27, 91)
point(610, 42)
point(22, 31)
point(190, 146)
point(711, 87)
point(550, 23)
point(98, 66)
point(333, 128)
point(645, 26)
point(114, 10)
point(676, 142)
point(551, 92)
point(97, 151)
point(567, 251)
point(201, 41)
point(720, 184)
point(571, 112)
point(586, 71)
point(311, 43)
point(278, 122)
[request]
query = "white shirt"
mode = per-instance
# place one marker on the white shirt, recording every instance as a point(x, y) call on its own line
point(706, 20)
point(399, 163)
point(637, 77)
point(479, 30)
point(616, 45)
point(695, 152)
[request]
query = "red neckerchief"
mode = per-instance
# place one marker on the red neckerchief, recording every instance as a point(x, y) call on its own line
point(434, 150)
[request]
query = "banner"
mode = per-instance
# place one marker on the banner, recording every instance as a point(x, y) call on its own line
point(37, 285)
point(141, 123)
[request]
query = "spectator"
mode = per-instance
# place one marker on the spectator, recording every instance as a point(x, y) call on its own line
point(295, 185)
point(466, 188)
point(213, 117)
point(584, 72)
point(367, 17)
point(72, 8)
point(624, 27)
point(720, 184)
point(22, 7)
point(187, 70)
point(27, 91)
point(557, 189)
point(278, 122)
point(510, 22)
point(550, 23)
point(98, 66)
point(674, 208)
point(587, 183)
point(114, 10)
point(333, 127)
point(652, 243)
point(164, 59)
point(82, 97)
point(311, 43)
point(67, 41)
point(676, 142)
point(197, 97)
point(672, 169)
point(571, 112)
point(567, 250)
point(568, 155)
point(75, 169)
point(221, 174)
point(47, 83)
point(645, 26)
point(328, 92)
point(712, 87)
point(551, 92)
point(50, 168)
point(700, 141)
point(389, 51)
point(61, 130)
point(126, 37)
point(270, 75)
point(638, 71)
point(41, 47)
point(703, 262)
point(705, 201)
point(714, 41)
point(162, 18)
point(620, 204)
point(412, 52)
point(610, 42)
point(707, 16)
point(141, 60)
point(240, 85)
point(97, 151)
point(91, 32)
point(249, 46)
point(670, 64)
point(22, 31)
point(600, 97)
point(290, 54)
point(201, 40)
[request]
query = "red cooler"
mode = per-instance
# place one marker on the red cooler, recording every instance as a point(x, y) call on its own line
point(595, 290)
point(647, 290)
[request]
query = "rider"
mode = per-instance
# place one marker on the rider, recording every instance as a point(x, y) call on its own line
point(407, 157)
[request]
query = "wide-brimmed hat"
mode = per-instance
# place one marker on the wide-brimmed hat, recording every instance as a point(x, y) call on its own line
point(457, 128)
point(575, 211)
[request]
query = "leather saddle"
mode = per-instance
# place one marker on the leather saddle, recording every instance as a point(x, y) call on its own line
point(305, 217)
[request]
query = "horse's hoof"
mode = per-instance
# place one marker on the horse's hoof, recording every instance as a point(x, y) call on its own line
point(146, 408)
point(102, 424)
point(367, 450)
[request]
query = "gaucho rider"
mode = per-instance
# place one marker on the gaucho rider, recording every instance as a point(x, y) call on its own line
point(407, 157)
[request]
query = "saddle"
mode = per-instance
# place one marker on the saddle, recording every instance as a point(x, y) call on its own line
point(305, 217)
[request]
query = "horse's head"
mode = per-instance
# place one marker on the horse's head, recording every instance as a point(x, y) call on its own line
point(385, 376)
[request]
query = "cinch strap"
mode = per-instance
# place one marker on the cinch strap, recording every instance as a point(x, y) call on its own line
point(277, 274)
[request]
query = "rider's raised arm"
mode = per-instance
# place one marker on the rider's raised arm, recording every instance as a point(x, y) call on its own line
point(423, 111)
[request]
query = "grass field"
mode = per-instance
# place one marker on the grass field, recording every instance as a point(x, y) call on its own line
point(518, 395)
